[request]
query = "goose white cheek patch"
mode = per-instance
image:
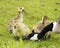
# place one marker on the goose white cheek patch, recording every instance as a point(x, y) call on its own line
point(34, 37)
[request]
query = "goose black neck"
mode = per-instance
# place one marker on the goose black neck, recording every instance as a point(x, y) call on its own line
point(45, 30)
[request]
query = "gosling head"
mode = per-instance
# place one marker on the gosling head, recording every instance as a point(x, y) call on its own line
point(21, 9)
point(44, 19)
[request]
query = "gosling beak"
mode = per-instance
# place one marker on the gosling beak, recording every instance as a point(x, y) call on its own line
point(23, 10)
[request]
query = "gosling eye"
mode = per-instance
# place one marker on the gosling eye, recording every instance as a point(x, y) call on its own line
point(20, 8)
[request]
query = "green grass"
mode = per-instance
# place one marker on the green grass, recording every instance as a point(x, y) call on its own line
point(35, 9)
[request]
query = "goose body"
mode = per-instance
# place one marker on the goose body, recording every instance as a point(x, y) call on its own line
point(40, 25)
point(53, 27)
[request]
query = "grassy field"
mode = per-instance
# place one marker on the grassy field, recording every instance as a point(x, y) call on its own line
point(35, 9)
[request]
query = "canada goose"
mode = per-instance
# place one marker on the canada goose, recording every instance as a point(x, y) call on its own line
point(54, 27)
point(41, 24)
